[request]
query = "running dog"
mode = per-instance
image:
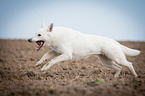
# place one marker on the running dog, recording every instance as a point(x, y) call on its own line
point(68, 44)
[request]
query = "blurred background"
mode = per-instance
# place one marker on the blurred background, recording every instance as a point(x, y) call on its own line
point(122, 20)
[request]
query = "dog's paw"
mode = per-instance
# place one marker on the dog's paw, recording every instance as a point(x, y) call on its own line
point(136, 76)
point(42, 69)
point(116, 75)
point(45, 67)
point(38, 63)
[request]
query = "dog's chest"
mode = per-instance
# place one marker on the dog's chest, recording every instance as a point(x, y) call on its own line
point(57, 50)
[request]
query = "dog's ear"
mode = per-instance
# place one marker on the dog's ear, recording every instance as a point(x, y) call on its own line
point(50, 27)
point(43, 26)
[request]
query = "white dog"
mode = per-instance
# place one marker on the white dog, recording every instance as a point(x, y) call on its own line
point(68, 44)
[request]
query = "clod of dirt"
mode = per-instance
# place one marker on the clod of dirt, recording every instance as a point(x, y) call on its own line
point(32, 59)
point(30, 74)
point(92, 84)
point(83, 67)
point(1, 60)
point(82, 75)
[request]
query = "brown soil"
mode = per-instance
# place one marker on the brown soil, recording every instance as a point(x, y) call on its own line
point(20, 77)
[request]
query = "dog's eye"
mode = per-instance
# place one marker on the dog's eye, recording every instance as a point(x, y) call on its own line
point(39, 34)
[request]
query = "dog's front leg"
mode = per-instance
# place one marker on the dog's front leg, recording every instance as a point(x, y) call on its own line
point(60, 58)
point(49, 55)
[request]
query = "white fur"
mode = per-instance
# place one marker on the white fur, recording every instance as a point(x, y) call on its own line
point(68, 44)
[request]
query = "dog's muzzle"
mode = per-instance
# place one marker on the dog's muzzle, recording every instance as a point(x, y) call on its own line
point(40, 43)
point(30, 40)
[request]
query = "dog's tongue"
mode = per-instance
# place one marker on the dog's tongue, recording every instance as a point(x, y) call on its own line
point(39, 43)
point(37, 48)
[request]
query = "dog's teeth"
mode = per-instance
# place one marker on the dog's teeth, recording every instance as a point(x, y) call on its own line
point(40, 44)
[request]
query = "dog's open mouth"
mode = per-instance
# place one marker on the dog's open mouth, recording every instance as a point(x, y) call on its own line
point(40, 44)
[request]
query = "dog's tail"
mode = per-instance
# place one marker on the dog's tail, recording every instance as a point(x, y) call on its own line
point(130, 52)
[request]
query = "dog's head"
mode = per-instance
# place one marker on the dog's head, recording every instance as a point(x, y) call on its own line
point(42, 35)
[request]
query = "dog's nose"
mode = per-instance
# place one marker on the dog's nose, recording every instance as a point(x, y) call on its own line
point(30, 40)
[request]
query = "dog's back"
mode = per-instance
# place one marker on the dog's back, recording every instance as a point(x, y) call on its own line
point(80, 44)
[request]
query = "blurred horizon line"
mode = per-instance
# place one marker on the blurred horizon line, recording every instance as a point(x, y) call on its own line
point(5, 38)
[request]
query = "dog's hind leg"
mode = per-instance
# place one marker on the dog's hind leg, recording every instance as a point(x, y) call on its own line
point(124, 62)
point(49, 55)
point(116, 54)
point(111, 64)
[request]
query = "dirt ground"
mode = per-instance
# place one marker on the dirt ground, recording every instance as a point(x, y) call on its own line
point(20, 77)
